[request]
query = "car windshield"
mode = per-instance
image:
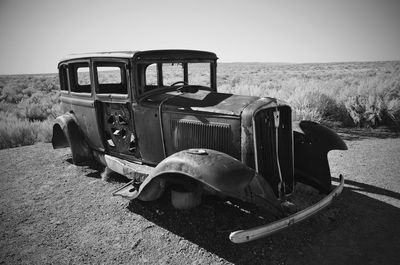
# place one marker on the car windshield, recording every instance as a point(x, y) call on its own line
point(158, 75)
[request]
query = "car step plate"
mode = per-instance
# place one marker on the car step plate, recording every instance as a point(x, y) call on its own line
point(127, 191)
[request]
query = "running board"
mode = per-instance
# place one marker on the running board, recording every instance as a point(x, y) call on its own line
point(126, 168)
point(136, 172)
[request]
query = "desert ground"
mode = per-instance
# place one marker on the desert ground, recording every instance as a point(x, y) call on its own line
point(53, 212)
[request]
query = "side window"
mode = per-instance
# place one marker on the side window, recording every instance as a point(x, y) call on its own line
point(111, 78)
point(63, 75)
point(81, 78)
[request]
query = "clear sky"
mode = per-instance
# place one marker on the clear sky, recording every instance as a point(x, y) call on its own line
point(34, 35)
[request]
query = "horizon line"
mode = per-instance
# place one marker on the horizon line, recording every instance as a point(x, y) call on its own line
point(250, 62)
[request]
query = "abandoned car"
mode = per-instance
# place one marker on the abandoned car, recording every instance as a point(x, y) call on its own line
point(156, 117)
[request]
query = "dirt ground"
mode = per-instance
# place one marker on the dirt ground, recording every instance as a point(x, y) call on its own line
point(54, 212)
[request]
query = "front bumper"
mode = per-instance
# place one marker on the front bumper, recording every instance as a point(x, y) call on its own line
point(247, 235)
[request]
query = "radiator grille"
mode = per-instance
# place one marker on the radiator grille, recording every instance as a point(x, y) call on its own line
point(193, 134)
point(266, 150)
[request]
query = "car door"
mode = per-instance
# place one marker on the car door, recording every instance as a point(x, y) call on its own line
point(113, 101)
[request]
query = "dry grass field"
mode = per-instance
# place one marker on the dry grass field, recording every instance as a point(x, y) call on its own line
point(354, 94)
point(346, 94)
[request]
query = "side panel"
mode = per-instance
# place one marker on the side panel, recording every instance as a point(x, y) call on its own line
point(148, 130)
point(183, 130)
point(85, 113)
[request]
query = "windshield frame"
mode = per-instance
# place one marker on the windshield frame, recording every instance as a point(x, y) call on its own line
point(160, 87)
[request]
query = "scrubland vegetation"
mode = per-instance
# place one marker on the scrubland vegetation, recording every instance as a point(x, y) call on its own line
point(351, 94)
point(28, 103)
point(348, 94)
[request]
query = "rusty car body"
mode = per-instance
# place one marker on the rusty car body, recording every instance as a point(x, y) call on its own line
point(157, 118)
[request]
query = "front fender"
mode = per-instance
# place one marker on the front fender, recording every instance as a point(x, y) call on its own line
point(312, 142)
point(217, 171)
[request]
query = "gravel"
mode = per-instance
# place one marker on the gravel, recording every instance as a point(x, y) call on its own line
point(55, 212)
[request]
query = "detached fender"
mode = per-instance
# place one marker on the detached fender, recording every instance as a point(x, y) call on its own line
point(312, 142)
point(66, 132)
point(217, 171)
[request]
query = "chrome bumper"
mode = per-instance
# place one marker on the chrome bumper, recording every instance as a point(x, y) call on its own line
point(247, 235)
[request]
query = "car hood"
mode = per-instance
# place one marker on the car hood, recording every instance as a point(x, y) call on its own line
point(211, 102)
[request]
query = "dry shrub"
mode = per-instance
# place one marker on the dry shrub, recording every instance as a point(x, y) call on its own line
point(6, 107)
point(16, 132)
point(11, 95)
point(40, 106)
point(357, 107)
point(375, 102)
point(393, 111)
point(354, 94)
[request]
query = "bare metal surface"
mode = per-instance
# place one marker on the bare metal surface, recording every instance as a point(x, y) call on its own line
point(310, 153)
point(126, 168)
point(263, 231)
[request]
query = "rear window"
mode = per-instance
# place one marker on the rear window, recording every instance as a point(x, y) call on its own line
point(63, 74)
point(81, 78)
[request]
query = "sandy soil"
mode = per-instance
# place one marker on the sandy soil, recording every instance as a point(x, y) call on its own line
point(54, 212)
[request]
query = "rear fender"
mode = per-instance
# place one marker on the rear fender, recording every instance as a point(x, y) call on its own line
point(216, 171)
point(312, 142)
point(66, 132)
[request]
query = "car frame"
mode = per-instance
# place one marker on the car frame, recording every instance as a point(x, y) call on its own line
point(160, 121)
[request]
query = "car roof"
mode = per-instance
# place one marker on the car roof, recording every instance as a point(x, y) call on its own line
point(150, 55)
